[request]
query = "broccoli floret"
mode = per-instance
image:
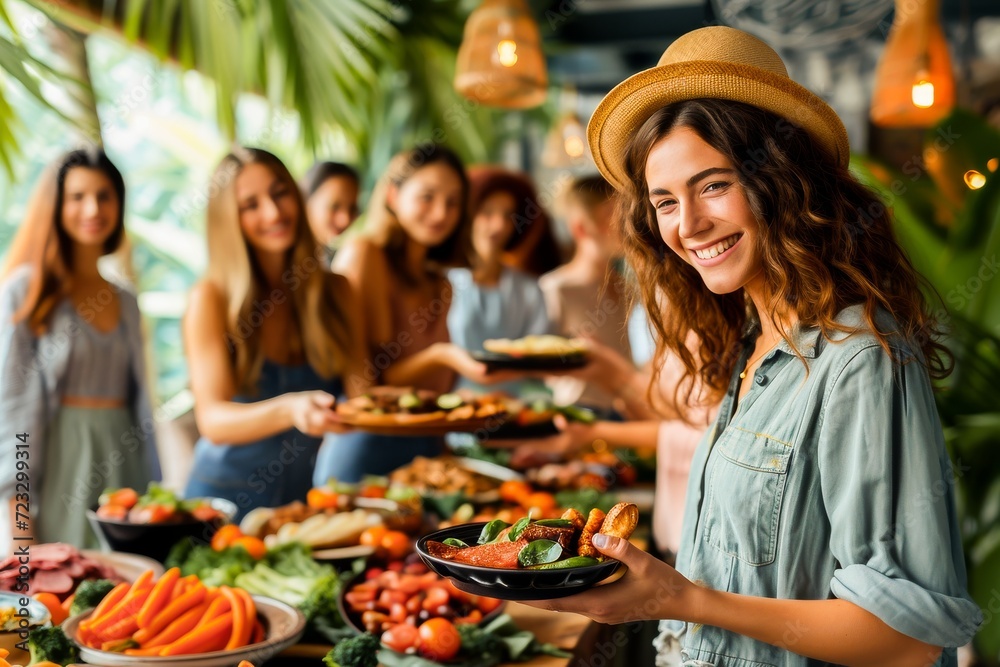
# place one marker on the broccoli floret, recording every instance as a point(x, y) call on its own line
point(480, 644)
point(89, 594)
point(51, 644)
point(360, 651)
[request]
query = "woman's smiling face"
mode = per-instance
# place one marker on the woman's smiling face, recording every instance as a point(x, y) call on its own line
point(702, 211)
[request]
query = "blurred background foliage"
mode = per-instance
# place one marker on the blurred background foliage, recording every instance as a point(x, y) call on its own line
point(946, 206)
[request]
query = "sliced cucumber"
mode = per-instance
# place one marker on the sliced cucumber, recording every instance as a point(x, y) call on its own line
point(449, 401)
point(409, 401)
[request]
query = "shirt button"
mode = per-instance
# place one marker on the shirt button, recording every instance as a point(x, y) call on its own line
point(761, 380)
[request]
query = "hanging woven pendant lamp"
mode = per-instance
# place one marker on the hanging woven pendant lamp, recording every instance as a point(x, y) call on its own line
point(914, 81)
point(500, 61)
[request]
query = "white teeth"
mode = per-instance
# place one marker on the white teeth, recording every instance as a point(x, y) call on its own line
point(718, 248)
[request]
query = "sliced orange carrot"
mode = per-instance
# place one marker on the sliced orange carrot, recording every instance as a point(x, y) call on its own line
point(159, 597)
point(239, 618)
point(177, 628)
point(218, 605)
point(120, 630)
point(176, 607)
point(127, 608)
point(201, 637)
point(110, 600)
point(251, 615)
point(245, 663)
point(257, 636)
point(67, 603)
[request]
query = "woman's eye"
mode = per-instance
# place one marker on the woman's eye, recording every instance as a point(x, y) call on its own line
point(663, 205)
point(716, 186)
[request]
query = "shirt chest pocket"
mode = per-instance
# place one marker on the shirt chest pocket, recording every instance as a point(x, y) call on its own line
point(745, 484)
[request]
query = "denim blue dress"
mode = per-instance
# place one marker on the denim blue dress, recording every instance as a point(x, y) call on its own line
point(347, 457)
point(272, 471)
point(829, 479)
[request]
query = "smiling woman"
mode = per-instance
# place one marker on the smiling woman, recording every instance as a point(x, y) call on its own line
point(72, 369)
point(269, 334)
point(808, 503)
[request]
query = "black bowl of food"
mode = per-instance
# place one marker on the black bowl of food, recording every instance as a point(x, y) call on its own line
point(150, 525)
point(531, 560)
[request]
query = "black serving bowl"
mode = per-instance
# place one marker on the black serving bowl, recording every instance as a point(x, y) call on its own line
point(510, 584)
point(155, 540)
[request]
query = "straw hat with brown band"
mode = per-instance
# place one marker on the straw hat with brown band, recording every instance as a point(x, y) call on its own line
point(716, 62)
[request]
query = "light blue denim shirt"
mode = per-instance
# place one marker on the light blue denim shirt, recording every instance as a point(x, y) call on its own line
point(829, 479)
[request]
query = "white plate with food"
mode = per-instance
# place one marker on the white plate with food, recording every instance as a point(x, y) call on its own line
point(283, 626)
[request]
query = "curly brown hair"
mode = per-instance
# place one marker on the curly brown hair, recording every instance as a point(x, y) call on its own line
point(826, 242)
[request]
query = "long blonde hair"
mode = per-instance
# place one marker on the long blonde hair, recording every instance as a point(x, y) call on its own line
point(234, 271)
point(383, 227)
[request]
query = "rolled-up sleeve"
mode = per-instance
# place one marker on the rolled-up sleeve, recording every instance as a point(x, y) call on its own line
point(21, 388)
point(887, 490)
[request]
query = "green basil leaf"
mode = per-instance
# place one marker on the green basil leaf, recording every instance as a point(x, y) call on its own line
point(539, 552)
point(515, 533)
point(455, 542)
point(555, 523)
point(491, 530)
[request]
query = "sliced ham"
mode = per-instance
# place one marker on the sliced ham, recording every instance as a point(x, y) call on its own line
point(54, 568)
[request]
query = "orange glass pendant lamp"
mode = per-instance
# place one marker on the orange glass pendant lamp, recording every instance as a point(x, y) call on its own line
point(914, 81)
point(500, 62)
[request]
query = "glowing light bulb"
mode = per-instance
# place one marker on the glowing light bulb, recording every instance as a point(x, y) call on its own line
point(993, 164)
point(974, 179)
point(573, 146)
point(507, 50)
point(923, 94)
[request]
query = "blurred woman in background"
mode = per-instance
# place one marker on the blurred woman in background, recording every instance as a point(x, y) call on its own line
point(331, 194)
point(416, 227)
point(73, 375)
point(491, 300)
point(269, 335)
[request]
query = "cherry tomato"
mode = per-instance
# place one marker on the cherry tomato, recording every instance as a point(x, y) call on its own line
point(486, 605)
point(396, 544)
point(436, 596)
point(372, 537)
point(513, 491)
point(225, 536)
point(540, 499)
point(151, 513)
point(254, 546)
point(126, 498)
point(54, 605)
point(372, 491)
point(401, 637)
point(322, 498)
point(206, 513)
point(439, 640)
point(112, 512)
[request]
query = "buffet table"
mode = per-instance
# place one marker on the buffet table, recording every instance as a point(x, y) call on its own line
point(562, 630)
